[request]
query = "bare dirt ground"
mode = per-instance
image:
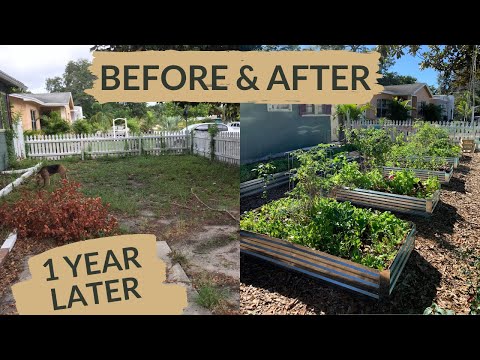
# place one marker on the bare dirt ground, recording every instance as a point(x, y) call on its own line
point(208, 250)
point(444, 268)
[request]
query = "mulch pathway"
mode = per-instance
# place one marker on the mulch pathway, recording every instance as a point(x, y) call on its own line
point(444, 268)
point(13, 266)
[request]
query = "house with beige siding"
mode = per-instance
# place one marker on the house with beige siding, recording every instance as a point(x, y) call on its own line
point(418, 94)
point(32, 106)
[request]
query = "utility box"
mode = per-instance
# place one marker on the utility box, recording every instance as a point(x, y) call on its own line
point(3, 150)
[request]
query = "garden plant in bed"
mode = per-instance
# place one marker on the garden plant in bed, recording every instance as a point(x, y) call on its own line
point(427, 148)
point(368, 237)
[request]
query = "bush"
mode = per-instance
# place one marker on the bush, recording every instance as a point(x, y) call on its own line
point(53, 124)
point(83, 127)
point(32, 132)
point(133, 125)
point(63, 215)
point(432, 112)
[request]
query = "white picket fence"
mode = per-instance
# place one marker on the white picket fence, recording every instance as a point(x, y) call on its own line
point(54, 147)
point(456, 129)
point(227, 146)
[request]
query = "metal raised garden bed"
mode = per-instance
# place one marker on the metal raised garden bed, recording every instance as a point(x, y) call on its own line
point(451, 160)
point(255, 186)
point(335, 270)
point(442, 176)
point(386, 201)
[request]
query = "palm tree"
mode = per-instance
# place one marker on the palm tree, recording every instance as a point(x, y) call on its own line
point(345, 113)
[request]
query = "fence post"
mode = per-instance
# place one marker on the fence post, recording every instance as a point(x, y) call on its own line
point(82, 150)
point(140, 144)
point(192, 139)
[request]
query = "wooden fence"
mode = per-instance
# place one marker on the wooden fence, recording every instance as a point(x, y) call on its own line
point(54, 147)
point(456, 129)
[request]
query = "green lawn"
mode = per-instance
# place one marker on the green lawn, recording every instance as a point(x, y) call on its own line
point(134, 183)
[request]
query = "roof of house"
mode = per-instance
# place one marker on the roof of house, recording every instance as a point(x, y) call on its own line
point(406, 89)
point(48, 99)
point(12, 81)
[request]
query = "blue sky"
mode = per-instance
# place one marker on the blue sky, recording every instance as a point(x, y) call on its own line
point(409, 65)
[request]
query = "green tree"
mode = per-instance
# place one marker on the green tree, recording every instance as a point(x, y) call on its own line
point(462, 105)
point(453, 62)
point(393, 78)
point(75, 79)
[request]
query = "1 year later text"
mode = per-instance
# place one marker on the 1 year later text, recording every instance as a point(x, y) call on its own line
point(92, 263)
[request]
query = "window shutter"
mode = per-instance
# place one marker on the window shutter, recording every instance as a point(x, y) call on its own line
point(302, 109)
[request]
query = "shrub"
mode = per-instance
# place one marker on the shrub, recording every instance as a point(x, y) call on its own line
point(53, 124)
point(63, 215)
point(82, 126)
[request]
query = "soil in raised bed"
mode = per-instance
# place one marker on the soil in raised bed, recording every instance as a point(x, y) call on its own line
point(444, 267)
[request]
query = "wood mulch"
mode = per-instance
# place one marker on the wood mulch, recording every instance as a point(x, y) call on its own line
point(14, 265)
point(444, 268)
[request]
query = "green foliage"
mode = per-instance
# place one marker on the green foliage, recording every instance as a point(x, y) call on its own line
point(432, 112)
point(53, 124)
point(11, 156)
point(433, 141)
point(364, 236)
point(133, 125)
point(265, 172)
point(374, 144)
point(75, 79)
point(32, 132)
point(402, 183)
point(398, 109)
point(434, 309)
point(409, 161)
point(313, 163)
point(83, 126)
point(393, 78)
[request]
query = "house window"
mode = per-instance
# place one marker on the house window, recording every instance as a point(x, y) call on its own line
point(34, 119)
point(315, 109)
point(279, 107)
point(382, 107)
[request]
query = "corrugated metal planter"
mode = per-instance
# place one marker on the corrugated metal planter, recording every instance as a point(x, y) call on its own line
point(386, 201)
point(335, 270)
point(255, 186)
point(451, 160)
point(442, 176)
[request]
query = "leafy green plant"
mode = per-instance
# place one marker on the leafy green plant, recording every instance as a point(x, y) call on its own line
point(434, 309)
point(402, 183)
point(372, 143)
point(265, 172)
point(368, 237)
point(311, 176)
